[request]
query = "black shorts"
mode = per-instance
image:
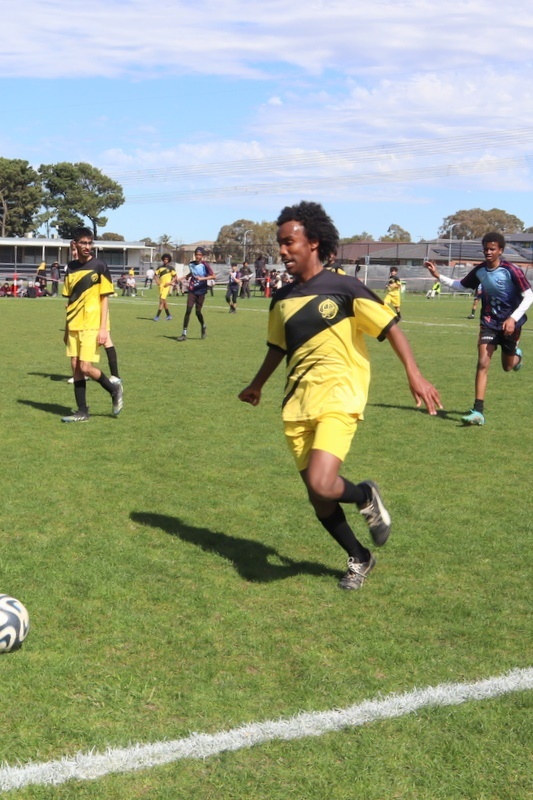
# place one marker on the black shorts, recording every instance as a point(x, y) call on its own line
point(195, 300)
point(495, 338)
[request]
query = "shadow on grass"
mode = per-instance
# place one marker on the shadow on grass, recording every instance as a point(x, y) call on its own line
point(253, 561)
point(452, 415)
point(48, 408)
point(51, 376)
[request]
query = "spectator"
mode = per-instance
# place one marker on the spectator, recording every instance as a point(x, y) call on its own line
point(54, 277)
point(149, 278)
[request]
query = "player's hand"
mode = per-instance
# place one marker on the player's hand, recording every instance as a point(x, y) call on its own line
point(432, 269)
point(509, 326)
point(424, 392)
point(250, 395)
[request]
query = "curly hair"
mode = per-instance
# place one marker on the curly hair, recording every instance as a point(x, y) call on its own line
point(317, 225)
point(494, 236)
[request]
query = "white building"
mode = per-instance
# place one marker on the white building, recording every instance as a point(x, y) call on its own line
point(23, 255)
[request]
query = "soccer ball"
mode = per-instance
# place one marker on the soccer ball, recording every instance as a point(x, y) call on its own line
point(14, 623)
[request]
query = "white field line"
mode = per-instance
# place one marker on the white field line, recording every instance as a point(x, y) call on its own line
point(89, 766)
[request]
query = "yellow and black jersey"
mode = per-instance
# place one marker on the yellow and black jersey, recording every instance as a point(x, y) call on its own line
point(320, 326)
point(165, 275)
point(85, 284)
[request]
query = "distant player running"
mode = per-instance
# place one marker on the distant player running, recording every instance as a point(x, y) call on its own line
point(506, 295)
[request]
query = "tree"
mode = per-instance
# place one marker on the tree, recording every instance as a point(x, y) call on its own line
point(246, 239)
point(111, 237)
point(20, 196)
point(148, 241)
point(79, 192)
point(474, 223)
point(396, 233)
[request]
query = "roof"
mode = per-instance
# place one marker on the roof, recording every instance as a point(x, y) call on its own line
point(34, 241)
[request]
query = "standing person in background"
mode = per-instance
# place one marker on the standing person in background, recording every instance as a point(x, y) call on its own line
point(164, 277)
point(246, 274)
point(199, 274)
point(394, 289)
point(477, 298)
point(232, 292)
point(87, 288)
point(505, 298)
point(149, 277)
point(54, 278)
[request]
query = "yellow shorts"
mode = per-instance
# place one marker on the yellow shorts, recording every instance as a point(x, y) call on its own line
point(164, 291)
point(83, 345)
point(331, 432)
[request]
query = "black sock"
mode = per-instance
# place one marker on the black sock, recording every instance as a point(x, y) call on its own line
point(80, 393)
point(112, 361)
point(104, 381)
point(355, 493)
point(479, 405)
point(337, 526)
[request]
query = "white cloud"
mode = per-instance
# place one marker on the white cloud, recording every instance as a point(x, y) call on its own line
point(112, 38)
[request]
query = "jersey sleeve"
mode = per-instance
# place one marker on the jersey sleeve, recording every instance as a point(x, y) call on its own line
point(373, 318)
point(471, 280)
point(106, 282)
point(276, 329)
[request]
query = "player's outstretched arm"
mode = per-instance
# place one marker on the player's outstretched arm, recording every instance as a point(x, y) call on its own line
point(252, 393)
point(432, 269)
point(422, 390)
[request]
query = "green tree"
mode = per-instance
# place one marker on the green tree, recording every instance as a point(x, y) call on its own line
point(396, 233)
point(21, 196)
point(474, 223)
point(79, 192)
point(246, 239)
point(111, 237)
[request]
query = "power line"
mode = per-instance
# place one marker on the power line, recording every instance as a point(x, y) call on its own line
point(463, 169)
point(347, 158)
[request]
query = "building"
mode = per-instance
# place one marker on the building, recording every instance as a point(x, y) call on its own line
point(22, 256)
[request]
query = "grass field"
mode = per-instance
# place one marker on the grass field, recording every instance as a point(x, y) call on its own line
point(178, 582)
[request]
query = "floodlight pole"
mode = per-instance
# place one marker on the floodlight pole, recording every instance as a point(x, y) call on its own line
point(450, 246)
point(244, 245)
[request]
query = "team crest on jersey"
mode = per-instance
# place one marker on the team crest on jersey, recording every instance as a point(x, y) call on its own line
point(94, 277)
point(328, 309)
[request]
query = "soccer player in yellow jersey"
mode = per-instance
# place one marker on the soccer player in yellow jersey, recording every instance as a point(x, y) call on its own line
point(87, 288)
point(318, 323)
point(165, 276)
point(394, 291)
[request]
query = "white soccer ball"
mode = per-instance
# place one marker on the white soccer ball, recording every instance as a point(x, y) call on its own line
point(14, 623)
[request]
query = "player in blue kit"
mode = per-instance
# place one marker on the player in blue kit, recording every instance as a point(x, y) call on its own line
point(199, 274)
point(506, 295)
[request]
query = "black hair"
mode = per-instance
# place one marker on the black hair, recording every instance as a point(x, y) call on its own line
point(317, 225)
point(494, 236)
point(166, 255)
point(79, 233)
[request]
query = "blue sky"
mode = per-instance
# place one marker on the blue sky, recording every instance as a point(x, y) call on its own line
point(386, 112)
